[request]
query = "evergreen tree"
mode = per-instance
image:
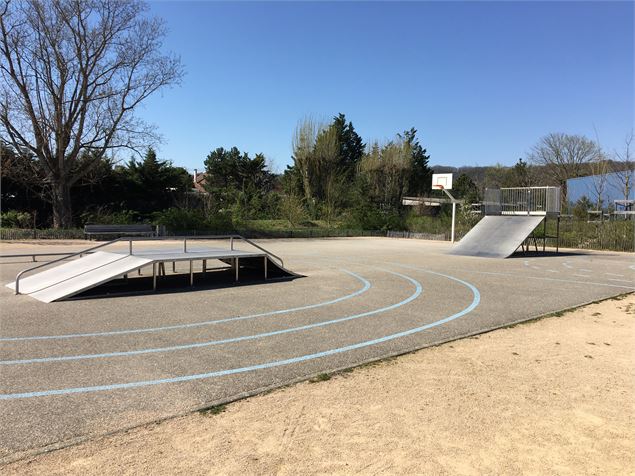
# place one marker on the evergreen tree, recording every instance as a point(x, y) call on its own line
point(420, 181)
point(465, 188)
point(155, 183)
point(237, 181)
point(351, 145)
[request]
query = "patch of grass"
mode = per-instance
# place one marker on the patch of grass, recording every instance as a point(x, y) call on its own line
point(562, 312)
point(213, 410)
point(320, 378)
point(619, 297)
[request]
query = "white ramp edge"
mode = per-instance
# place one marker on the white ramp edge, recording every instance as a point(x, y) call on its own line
point(79, 275)
point(496, 236)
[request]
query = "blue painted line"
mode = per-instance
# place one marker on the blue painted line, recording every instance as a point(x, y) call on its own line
point(365, 288)
point(542, 278)
point(278, 363)
point(232, 340)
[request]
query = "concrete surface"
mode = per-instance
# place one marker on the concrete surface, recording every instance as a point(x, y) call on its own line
point(86, 367)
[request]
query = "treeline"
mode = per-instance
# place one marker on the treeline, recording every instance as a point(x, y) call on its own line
point(335, 178)
point(108, 193)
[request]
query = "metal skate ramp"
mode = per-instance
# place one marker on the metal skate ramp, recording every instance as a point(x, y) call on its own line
point(496, 236)
point(93, 268)
point(76, 276)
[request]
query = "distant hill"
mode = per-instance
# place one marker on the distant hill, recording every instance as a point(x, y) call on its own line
point(493, 176)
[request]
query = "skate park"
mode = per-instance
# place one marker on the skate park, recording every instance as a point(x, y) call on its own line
point(89, 365)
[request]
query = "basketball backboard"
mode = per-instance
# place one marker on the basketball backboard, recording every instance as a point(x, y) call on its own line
point(441, 181)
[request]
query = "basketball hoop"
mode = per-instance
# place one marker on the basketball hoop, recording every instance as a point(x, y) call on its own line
point(437, 187)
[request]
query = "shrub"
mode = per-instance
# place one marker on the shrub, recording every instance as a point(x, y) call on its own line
point(187, 219)
point(107, 217)
point(292, 210)
point(16, 219)
point(368, 217)
point(220, 221)
point(180, 219)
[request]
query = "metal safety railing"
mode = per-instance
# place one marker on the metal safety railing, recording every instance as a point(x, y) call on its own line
point(130, 241)
point(522, 200)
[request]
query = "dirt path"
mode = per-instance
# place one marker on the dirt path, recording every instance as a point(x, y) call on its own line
point(553, 396)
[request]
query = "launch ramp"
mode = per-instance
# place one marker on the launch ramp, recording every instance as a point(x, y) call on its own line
point(79, 275)
point(497, 236)
point(93, 268)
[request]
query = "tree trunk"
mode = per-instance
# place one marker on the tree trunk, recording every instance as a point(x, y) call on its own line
point(61, 201)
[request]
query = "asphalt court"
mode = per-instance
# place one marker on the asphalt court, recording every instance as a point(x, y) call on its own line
point(79, 368)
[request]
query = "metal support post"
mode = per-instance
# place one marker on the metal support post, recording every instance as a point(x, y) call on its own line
point(174, 266)
point(236, 264)
point(204, 266)
point(129, 247)
point(454, 201)
point(231, 242)
point(154, 276)
point(266, 262)
point(185, 245)
point(453, 219)
point(191, 272)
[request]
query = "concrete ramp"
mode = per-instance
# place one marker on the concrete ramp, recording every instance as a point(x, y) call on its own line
point(76, 276)
point(496, 236)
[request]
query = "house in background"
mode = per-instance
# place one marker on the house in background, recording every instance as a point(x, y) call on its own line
point(199, 180)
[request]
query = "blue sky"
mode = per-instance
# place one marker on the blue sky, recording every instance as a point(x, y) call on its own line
point(481, 81)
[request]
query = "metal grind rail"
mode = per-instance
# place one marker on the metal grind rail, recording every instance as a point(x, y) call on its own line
point(130, 241)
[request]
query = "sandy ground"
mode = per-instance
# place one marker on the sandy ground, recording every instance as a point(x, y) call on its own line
point(551, 396)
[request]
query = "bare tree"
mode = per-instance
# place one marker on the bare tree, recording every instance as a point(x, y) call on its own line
point(564, 157)
point(303, 143)
point(387, 168)
point(73, 73)
point(624, 167)
point(600, 169)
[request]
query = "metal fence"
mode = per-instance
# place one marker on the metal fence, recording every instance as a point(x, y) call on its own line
point(617, 236)
point(446, 236)
point(293, 233)
point(614, 236)
point(55, 234)
point(41, 234)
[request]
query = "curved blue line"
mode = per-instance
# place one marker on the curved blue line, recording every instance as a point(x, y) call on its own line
point(222, 341)
point(267, 365)
point(366, 287)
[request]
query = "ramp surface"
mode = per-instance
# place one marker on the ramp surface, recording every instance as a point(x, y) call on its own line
point(75, 276)
point(496, 236)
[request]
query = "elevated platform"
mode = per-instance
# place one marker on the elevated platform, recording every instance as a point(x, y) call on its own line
point(93, 268)
point(497, 236)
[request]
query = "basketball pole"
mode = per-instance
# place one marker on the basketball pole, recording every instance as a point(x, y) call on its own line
point(453, 210)
point(453, 218)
